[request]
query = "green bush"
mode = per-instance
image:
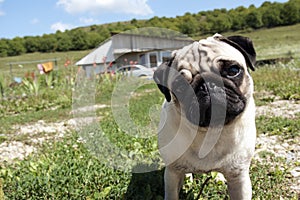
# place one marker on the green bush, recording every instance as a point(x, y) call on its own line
point(65, 170)
point(284, 127)
point(279, 80)
point(76, 168)
point(1, 190)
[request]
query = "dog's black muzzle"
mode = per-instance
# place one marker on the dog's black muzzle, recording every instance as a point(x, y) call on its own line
point(209, 100)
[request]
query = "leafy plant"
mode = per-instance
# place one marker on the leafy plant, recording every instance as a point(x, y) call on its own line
point(285, 127)
point(279, 80)
point(1, 190)
point(31, 86)
point(76, 169)
point(49, 79)
point(69, 172)
point(2, 86)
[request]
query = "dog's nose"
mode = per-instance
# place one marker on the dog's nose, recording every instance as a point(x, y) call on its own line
point(187, 75)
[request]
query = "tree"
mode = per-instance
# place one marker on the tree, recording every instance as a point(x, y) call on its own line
point(64, 42)
point(16, 47)
point(79, 39)
point(220, 23)
point(254, 19)
point(94, 39)
point(134, 22)
point(4, 47)
point(271, 14)
point(237, 17)
point(154, 22)
point(188, 25)
point(48, 43)
point(31, 44)
point(291, 12)
point(218, 20)
point(103, 32)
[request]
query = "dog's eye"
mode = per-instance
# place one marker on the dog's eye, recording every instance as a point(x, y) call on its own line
point(232, 71)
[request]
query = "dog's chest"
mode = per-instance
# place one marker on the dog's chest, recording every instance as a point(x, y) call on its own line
point(199, 160)
point(192, 150)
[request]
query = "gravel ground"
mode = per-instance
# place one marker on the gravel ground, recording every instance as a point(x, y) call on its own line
point(41, 131)
point(280, 108)
point(34, 134)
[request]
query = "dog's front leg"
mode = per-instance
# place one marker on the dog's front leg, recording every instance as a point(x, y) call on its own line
point(239, 185)
point(173, 183)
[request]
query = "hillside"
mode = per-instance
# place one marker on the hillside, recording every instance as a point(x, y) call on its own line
point(270, 43)
point(59, 157)
point(268, 15)
point(276, 42)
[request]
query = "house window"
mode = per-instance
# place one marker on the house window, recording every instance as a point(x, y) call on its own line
point(153, 59)
point(166, 56)
point(142, 59)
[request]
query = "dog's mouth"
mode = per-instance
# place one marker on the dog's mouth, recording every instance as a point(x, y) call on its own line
point(209, 100)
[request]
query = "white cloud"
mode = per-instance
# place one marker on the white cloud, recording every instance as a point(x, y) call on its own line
point(136, 7)
point(34, 21)
point(61, 26)
point(1, 12)
point(88, 20)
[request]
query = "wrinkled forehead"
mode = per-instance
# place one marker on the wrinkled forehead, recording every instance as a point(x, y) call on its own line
point(218, 48)
point(203, 55)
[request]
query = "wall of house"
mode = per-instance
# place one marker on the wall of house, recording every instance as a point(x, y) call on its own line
point(92, 70)
point(127, 59)
point(148, 59)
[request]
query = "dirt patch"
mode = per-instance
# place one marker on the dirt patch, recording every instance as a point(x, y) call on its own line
point(39, 132)
point(280, 108)
point(14, 150)
point(27, 138)
point(287, 149)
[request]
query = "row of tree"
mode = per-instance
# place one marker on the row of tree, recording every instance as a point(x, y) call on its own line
point(219, 20)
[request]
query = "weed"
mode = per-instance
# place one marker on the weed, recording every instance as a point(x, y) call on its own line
point(281, 81)
point(284, 127)
point(77, 169)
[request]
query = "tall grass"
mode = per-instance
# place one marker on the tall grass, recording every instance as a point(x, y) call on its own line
point(68, 169)
point(280, 80)
point(81, 169)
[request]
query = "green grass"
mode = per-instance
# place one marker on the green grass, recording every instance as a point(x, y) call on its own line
point(284, 127)
point(269, 43)
point(71, 169)
point(61, 57)
point(8, 72)
point(280, 80)
point(277, 42)
point(29, 117)
point(69, 172)
point(93, 163)
point(274, 42)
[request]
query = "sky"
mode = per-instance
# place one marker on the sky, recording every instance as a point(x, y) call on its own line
point(19, 18)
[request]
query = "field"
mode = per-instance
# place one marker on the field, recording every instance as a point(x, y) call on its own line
point(44, 154)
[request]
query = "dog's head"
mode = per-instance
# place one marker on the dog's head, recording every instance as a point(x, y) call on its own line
point(209, 79)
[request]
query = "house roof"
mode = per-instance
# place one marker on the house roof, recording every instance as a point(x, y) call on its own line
point(139, 43)
point(104, 50)
point(126, 43)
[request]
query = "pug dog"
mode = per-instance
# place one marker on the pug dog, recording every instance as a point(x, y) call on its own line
point(207, 121)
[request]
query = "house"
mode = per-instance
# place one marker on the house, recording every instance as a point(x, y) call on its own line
point(125, 49)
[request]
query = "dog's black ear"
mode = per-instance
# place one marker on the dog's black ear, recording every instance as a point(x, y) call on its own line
point(161, 79)
point(245, 46)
